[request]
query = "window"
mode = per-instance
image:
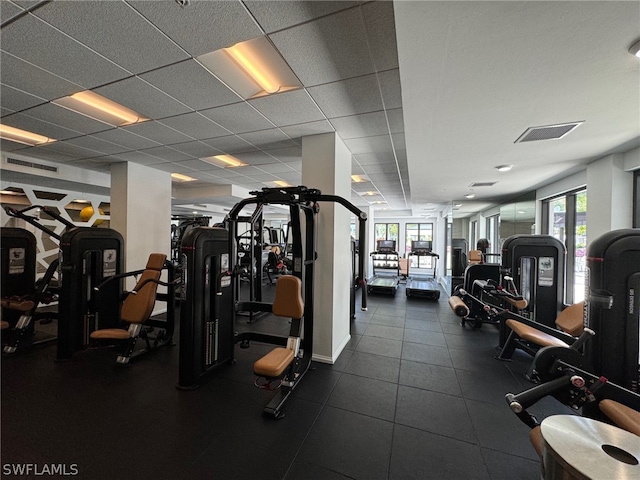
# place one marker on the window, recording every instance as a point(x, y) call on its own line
point(565, 218)
point(386, 231)
point(418, 231)
point(493, 234)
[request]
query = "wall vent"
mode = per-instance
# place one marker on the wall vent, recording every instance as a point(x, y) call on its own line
point(548, 132)
point(483, 184)
point(25, 163)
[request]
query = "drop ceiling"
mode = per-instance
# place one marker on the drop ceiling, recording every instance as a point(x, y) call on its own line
point(428, 96)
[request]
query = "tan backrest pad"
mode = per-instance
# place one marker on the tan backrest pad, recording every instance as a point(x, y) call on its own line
point(288, 300)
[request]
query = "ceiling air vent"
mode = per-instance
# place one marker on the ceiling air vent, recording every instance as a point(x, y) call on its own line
point(549, 132)
point(483, 184)
point(25, 163)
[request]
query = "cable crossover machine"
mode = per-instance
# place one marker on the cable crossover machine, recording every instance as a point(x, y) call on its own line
point(211, 278)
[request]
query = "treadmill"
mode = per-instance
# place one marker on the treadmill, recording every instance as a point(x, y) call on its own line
point(422, 285)
point(386, 268)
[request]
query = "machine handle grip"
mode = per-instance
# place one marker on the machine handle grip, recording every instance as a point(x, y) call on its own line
point(587, 333)
point(518, 403)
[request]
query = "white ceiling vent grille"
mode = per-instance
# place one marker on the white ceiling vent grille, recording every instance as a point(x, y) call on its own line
point(25, 163)
point(483, 184)
point(548, 132)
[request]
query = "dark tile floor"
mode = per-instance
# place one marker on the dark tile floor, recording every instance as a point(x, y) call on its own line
point(413, 396)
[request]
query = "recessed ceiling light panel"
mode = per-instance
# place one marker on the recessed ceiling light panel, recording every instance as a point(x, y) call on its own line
point(253, 68)
point(23, 136)
point(100, 108)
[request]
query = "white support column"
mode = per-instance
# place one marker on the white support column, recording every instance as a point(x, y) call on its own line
point(141, 211)
point(326, 165)
point(610, 189)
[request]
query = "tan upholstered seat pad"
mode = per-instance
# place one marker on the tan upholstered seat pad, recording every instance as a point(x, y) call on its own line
point(274, 362)
point(624, 417)
point(20, 305)
point(110, 334)
point(3, 324)
point(533, 335)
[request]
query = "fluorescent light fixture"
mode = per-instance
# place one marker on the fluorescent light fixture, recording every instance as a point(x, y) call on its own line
point(358, 179)
point(182, 178)
point(22, 136)
point(252, 69)
point(224, 161)
point(458, 205)
point(370, 194)
point(281, 183)
point(99, 108)
point(635, 49)
point(470, 195)
point(504, 168)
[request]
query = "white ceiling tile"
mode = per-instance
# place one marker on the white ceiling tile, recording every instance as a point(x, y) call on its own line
point(17, 100)
point(201, 27)
point(192, 84)
point(266, 177)
point(158, 132)
point(396, 121)
point(305, 129)
point(58, 53)
point(127, 39)
point(381, 30)
point(195, 126)
point(276, 14)
point(257, 157)
point(238, 118)
point(380, 144)
point(289, 154)
point(143, 98)
point(231, 144)
point(25, 122)
point(267, 139)
point(288, 108)
point(8, 11)
point(174, 168)
point(276, 168)
point(337, 44)
point(92, 143)
point(72, 150)
point(364, 125)
point(31, 79)
point(138, 157)
point(43, 153)
point(248, 170)
point(196, 149)
point(348, 97)
point(126, 139)
point(166, 153)
point(197, 164)
point(390, 88)
point(7, 146)
point(55, 114)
